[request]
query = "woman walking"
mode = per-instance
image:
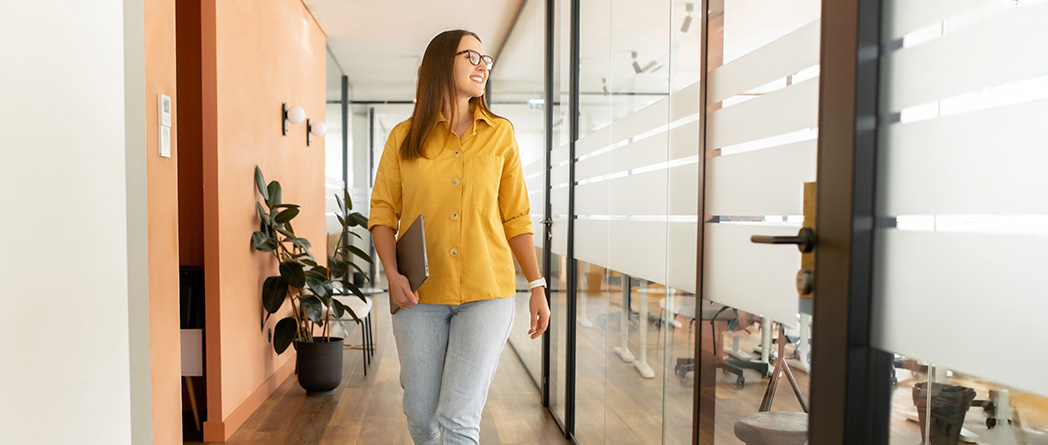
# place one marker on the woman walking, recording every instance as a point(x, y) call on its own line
point(457, 164)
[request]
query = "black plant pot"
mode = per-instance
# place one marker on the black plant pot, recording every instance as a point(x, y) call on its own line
point(319, 365)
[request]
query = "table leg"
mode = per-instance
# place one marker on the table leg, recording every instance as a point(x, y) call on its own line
point(624, 350)
point(642, 363)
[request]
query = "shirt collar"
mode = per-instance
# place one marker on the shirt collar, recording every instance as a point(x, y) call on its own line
point(478, 115)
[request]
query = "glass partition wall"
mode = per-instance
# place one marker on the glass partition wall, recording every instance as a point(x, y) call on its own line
point(665, 142)
point(962, 221)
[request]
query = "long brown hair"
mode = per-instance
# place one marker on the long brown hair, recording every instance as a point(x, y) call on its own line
point(435, 90)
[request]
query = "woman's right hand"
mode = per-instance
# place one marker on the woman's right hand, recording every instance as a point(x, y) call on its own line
point(400, 291)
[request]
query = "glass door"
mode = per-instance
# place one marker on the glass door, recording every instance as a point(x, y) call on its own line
point(761, 132)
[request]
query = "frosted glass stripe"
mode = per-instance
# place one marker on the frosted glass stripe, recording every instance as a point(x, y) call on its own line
point(987, 162)
point(641, 121)
point(638, 248)
point(591, 168)
point(535, 167)
point(592, 199)
point(684, 102)
point(972, 302)
point(904, 16)
point(1003, 50)
point(592, 142)
point(684, 141)
point(560, 154)
point(558, 199)
point(776, 60)
point(559, 236)
point(643, 194)
point(762, 182)
point(684, 190)
point(591, 241)
point(682, 248)
point(559, 175)
point(645, 152)
point(756, 278)
point(783, 111)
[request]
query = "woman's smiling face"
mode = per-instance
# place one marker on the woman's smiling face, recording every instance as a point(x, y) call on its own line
point(470, 79)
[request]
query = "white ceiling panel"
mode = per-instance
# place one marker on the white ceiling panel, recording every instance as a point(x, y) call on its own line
point(379, 44)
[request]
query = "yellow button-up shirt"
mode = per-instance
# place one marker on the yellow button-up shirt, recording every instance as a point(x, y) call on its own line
point(471, 194)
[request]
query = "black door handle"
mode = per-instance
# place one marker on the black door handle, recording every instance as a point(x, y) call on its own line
point(805, 239)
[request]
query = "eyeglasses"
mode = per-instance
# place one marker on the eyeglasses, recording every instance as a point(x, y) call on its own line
point(475, 58)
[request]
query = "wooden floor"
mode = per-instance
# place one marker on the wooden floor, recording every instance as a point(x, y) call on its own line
point(368, 409)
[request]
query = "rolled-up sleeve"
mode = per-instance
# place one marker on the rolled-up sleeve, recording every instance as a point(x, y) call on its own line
point(513, 195)
point(387, 198)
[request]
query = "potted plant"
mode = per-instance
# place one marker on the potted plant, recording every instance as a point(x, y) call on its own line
point(307, 285)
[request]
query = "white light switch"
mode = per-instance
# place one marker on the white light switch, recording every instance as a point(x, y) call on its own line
point(164, 125)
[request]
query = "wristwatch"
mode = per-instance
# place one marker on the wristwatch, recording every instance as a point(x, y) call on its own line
point(541, 282)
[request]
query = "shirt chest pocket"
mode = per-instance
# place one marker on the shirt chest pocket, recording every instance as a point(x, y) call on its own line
point(486, 176)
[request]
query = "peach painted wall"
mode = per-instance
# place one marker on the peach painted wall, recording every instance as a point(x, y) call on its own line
point(255, 56)
point(162, 186)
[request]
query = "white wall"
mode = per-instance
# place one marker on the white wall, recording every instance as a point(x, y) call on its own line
point(64, 267)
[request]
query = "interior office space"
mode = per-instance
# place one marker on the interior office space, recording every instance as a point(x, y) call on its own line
point(892, 149)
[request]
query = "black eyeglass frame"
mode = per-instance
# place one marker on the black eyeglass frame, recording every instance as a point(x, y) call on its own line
point(489, 62)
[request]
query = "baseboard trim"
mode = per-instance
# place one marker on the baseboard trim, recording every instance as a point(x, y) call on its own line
point(220, 431)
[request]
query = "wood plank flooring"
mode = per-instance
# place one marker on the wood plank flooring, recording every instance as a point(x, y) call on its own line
point(368, 410)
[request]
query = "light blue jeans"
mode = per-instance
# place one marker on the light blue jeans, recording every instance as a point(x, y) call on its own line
point(448, 355)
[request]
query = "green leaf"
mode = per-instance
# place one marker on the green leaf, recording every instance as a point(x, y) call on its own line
point(285, 215)
point(338, 200)
point(365, 274)
point(286, 233)
point(346, 284)
point(287, 226)
point(337, 266)
point(337, 308)
point(341, 220)
point(308, 261)
point(360, 253)
point(318, 283)
point(313, 308)
point(260, 184)
point(283, 334)
point(262, 213)
point(260, 241)
point(354, 234)
point(274, 194)
point(274, 292)
point(293, 274)
point(302, 243)
point(286, 206)
point(347, 199)
point(361, 220)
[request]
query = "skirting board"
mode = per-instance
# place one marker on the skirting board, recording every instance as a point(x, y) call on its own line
point(220, 431)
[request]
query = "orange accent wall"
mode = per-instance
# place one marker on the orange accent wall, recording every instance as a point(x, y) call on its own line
point(254, 55)
point(162, 184)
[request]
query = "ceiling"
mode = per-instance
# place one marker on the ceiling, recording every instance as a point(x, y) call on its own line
point(379, 44)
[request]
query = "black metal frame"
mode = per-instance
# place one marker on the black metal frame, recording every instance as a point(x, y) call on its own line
point(704, 374)
point(547, 211)
point(854, 403)
point(572, 294)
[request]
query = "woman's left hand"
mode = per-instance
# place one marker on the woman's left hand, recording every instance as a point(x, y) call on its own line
point(539, 312)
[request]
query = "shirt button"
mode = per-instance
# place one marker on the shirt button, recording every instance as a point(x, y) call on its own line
point(453, 252)
point(458, 153)
point(454, 216)
point(455, 182)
